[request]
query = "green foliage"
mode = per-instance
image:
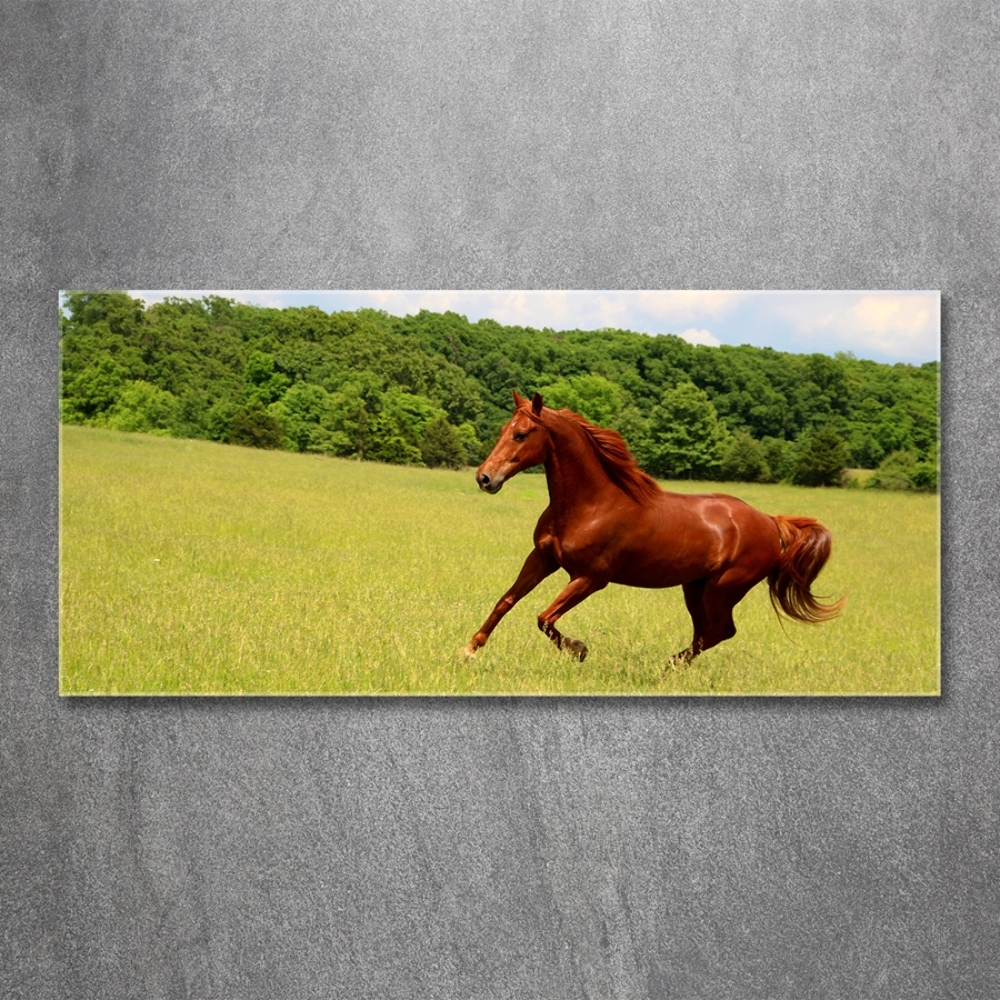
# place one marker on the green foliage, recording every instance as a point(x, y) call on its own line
point(300, 412)
point(442, 444)
point(780, 458)
point(218, 419)
point(925, 477)
point(263, 382)
point(592, 396)
point(822, 459)
point(686, 437)
point(254, 427)
point(346, 419)
point(634, 428)
point(368, 385)
point(386, 446)
point(394, 435)
point(744, 461)
point(89, 393)
point(902, 471)
point(118, 312)
point(474, 450)
point(144, 408)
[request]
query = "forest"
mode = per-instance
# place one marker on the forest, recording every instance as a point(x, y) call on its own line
point(434, 389)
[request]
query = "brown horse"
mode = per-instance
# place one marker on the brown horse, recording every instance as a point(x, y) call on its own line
point(609, 522)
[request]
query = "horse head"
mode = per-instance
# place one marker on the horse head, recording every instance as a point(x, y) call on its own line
point(524, 442)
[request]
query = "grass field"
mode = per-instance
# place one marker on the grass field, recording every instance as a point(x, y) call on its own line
point(191, 567)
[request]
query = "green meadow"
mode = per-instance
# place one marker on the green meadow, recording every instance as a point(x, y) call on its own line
point(189, 567)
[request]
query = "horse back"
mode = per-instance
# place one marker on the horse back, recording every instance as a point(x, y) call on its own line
point(686, 537)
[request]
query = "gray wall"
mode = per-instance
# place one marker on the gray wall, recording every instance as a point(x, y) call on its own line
point(498, 848)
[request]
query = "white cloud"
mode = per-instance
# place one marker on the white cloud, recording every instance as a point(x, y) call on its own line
point(565, 309)
point(400, 302)
point(553, 308)
point(693, 336)
point(557, 309)
point(646, 311)
point(890, 325)
point(688, 306)
point(895, 324)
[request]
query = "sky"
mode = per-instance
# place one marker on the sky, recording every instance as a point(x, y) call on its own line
point(885, 326)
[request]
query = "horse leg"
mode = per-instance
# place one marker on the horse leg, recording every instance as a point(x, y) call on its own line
point(535, 569)
point(711, 604)
point(694, 598)
point(569, 597)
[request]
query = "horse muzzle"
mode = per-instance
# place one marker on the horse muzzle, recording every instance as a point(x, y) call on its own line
point(489, 484)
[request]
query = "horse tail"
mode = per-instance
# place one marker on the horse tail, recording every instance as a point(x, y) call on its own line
point(805, 548)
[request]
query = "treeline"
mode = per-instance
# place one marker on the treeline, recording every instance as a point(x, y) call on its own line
point(434, 389)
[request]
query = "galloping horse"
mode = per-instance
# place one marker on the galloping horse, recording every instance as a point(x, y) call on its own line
point(609, 522)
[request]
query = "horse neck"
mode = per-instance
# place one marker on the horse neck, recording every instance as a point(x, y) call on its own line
point(572, 469)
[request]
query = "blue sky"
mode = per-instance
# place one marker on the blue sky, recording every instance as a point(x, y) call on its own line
point(886, 326)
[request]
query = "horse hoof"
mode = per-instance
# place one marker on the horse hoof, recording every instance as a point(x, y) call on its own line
point(469, 652)
point(576, 648)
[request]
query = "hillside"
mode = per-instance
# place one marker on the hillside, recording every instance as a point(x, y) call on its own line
point(433, 389)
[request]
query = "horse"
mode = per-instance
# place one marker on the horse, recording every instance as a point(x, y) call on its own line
point(609, 522)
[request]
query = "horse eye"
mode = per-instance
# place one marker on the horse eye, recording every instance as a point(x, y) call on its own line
point(520, 436)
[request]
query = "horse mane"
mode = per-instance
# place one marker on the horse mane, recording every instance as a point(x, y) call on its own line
point(616, 460)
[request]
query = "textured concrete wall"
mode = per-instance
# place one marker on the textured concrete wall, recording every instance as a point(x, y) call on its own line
point(498, 848)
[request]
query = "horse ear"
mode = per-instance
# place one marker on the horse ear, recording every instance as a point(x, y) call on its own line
point(536, 404)
point(519, 401)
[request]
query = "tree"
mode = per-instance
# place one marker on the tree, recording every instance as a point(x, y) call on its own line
point(143, 408)
point(219, 419)
point(189, 420)
point(299, 413)
point(780, 457)
point(822, 459)
point(902, 471)
point(442, 444)
point(592, 396)
point(475, 450)
point(744, 461)
point(634, 428)
point(93, 391)
point(865, 450)
point(213, 355)
point(386, 446)
point(118, 310)
point(394, 434)
point(254, 427)
point(894, 430)
point(925, 477)
point(346, 419)
point(408, 413)
point(895, 472)
point(686, 436)
point(263, 381)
